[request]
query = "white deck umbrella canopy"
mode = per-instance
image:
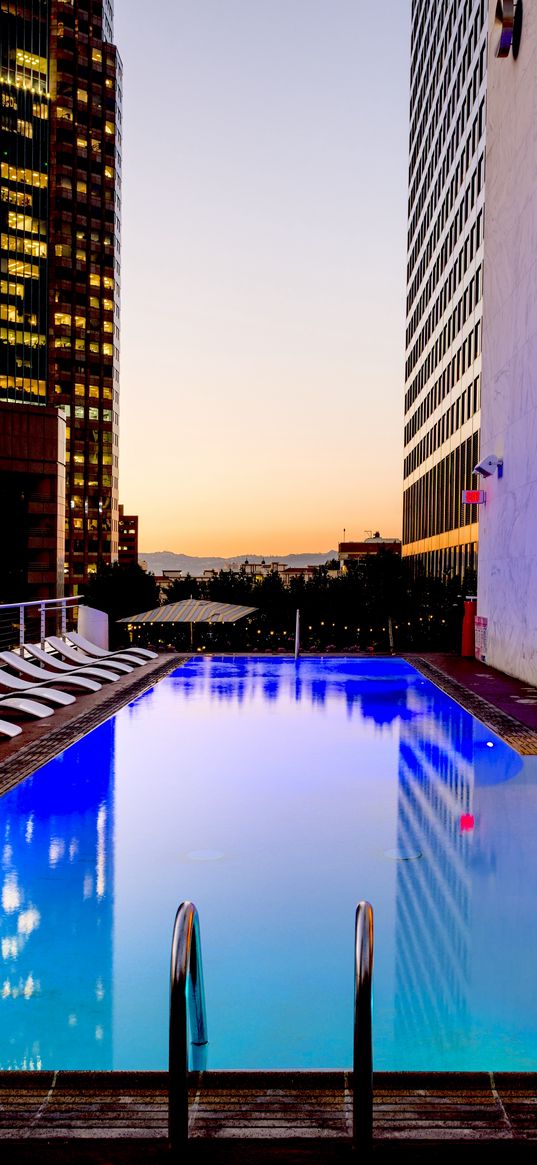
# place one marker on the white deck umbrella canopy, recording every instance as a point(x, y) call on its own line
point(192, 611)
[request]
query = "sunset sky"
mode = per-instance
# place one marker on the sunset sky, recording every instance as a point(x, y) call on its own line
point(264, 251)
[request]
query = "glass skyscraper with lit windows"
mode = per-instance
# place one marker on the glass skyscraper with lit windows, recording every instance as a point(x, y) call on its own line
point(24, 192)
point(60, 143)
point(444, 283)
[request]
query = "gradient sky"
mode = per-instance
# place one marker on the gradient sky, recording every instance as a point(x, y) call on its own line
point(264, 251)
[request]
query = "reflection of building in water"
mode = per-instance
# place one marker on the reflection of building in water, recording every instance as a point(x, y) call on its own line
point(344, 678)
point(57, 912)
point(436, 789)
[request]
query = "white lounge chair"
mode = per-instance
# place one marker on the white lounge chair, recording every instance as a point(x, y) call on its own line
point(73, 655)
point(48, 660)
point(51, 695)
point(28, 707)
point(9, 730)
point(97, 652)
point(39, 675)
point(125, 655)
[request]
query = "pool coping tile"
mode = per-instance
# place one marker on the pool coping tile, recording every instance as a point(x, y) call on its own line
point(485, 693)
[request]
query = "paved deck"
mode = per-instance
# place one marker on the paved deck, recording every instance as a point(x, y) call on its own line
point(506, 705)
point(235, 1117)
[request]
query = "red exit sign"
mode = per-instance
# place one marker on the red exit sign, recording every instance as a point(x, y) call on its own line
point(473, 497)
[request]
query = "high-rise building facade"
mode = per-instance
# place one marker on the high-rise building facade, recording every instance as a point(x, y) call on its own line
point(444, 282)
point(128, 538)
point(24, 192)
point(60, 87)
point(507, 576)
point(84, 272)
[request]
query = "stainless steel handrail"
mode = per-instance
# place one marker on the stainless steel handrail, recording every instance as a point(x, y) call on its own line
point(186, 972)
point(73, 600)
point(362, 1106)
point(43, 607)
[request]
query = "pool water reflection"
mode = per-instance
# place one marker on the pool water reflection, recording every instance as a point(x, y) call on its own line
point(275, 795)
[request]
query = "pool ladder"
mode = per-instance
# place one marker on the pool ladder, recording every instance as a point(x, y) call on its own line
point(186, 969)
point(187, 1001)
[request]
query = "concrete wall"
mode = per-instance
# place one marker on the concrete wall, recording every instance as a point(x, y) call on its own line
point(507, 588)
point(93, 625)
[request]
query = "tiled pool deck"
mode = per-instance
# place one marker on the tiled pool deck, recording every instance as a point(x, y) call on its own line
point(240, 1117)
point(506, 705)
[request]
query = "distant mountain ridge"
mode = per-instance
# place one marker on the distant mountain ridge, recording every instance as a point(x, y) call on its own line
point(161, 560)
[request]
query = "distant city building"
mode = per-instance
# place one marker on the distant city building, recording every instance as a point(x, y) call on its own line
point(295, 572)
point(163, 580)
point(349, 551)
point(252, 570)
point(448, 82)
point(128, 539)
point(260, 571)
point(60, 134)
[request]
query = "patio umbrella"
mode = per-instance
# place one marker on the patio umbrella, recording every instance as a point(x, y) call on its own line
point(192, 611)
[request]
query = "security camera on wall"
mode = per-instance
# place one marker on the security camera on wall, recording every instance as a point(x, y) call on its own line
point(488, 465)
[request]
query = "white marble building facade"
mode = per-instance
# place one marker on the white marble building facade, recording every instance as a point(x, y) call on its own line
point(507, 572)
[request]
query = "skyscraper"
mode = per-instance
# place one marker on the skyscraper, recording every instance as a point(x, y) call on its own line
point(24, 195)
point(507, 590)
point(60, 85)
point(444, 282)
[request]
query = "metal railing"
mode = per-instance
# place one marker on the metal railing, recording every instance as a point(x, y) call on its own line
point(362, 1130)
point(32, 621)
point(187, 1001)
point(187, 998)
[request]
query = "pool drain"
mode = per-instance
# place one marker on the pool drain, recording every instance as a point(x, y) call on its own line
point(399, 854)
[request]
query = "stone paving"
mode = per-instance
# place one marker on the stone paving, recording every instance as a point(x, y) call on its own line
point(122, 1113)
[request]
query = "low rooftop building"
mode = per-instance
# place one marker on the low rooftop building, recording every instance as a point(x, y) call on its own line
point(347, 551)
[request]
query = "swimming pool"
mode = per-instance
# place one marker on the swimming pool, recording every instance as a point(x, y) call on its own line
point(275, 795)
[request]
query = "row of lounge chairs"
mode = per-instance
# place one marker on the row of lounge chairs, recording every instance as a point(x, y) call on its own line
point(36, 680)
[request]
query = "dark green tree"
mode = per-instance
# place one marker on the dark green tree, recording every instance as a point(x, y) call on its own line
point(179, 589)
point(121, 591)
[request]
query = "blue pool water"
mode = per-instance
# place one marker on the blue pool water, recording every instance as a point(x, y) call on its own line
point(275, 795)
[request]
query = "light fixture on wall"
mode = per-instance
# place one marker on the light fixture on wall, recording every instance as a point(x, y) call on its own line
point(508, 21)
point(489, 465)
